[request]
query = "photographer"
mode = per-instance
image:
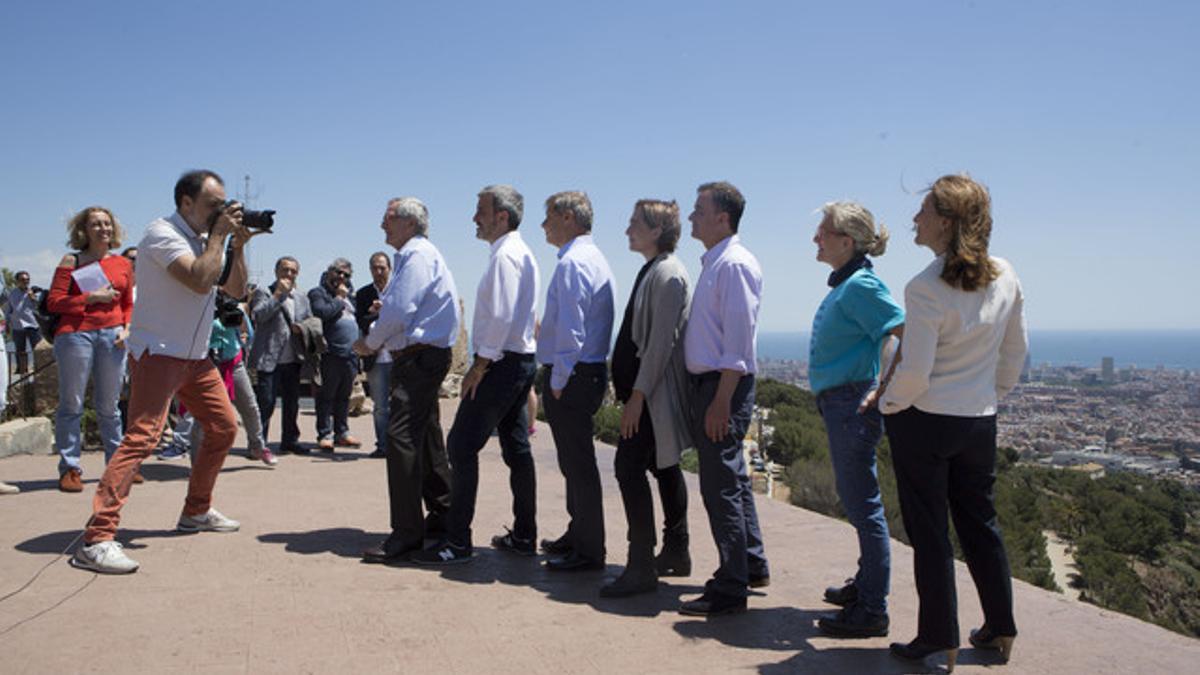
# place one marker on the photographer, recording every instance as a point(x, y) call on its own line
point(181, 258)
point(19, 310)
point(227, 349)
point(331, 303)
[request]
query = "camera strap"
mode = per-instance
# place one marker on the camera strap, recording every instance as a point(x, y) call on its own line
point(228, 268)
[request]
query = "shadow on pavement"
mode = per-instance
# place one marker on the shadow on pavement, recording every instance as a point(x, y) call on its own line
point(57, 542)
point(347, 542)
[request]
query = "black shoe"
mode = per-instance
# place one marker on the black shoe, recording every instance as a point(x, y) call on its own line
point(760, 580)
point(918, 651)
point(513, 544)
point(560, 546)
point(573, 562)
point(984, 638)
point(384, 553)
point(294, 448)
point(854, 621)
point(444, 553)
point(633, 581)
point(377, 454)
point(842, 596)
point(713, 603)
point(673, 561)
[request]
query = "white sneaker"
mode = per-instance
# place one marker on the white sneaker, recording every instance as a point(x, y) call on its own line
point(105, 557)
point(212, 521)
point(6, 489)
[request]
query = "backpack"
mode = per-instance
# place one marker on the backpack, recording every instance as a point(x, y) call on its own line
point(47, 320)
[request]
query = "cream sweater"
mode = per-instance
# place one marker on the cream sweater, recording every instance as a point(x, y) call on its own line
point(961, 351)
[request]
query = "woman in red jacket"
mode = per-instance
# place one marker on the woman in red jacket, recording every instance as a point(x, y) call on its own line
point(92, 293)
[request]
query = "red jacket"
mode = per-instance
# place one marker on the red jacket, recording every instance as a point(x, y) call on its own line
point(67, 300)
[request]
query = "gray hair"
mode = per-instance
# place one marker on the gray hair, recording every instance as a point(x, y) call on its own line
point(855, 221)
point(576, 202)
point(411, 207)
point(506, 198)
point(339, 264)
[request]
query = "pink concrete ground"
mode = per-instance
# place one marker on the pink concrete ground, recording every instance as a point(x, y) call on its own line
point(288, 594)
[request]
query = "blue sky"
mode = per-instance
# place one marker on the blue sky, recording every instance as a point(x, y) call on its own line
point(1081, 117)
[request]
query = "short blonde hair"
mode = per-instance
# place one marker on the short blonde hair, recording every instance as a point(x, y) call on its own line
point(663, 215)
point(77, 236)
point(855, 221)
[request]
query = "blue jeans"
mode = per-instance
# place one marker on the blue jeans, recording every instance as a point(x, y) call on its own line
point(79, 355)
point(379, 381)
point(852, 441)
point(725, 487)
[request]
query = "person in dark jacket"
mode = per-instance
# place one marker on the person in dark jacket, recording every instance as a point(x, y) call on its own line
point(330, 302)
point(377, 366)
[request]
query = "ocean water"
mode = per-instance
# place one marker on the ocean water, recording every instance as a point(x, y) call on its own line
point(1178, 350)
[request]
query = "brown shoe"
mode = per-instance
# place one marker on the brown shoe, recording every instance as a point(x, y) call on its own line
point(138, 478)
point(325, 445)
point(348, 441)
point(71, 481)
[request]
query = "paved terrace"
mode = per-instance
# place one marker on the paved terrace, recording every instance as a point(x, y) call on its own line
point(288, 593)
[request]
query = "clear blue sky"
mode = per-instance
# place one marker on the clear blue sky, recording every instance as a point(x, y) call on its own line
point(1082, 118)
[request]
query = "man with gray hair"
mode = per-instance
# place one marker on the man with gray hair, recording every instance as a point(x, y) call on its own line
point(495, 389)
point(573, 348)
point(330, 302)
point(417, 324)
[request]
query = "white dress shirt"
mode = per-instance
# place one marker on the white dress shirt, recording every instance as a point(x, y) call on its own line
point(420, 303)
point(723, 325)
point(169, 319)
point(504, 302)
point(961, 351)
point(578, 319)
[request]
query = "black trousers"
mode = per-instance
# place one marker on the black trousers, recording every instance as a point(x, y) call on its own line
point(942, 459)
point(499, 404)
point(416, 452)
point(571, 424)
point(281, 383)
point(636, 456)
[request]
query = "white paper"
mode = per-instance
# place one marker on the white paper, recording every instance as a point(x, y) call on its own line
point(90, 278)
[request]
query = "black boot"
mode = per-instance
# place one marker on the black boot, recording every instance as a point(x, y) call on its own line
point(674, 560)
point(639, 577)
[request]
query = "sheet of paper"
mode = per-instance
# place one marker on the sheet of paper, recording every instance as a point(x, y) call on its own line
point(90, 278)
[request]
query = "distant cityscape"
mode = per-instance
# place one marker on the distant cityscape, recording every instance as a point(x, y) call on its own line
point(1095, 419)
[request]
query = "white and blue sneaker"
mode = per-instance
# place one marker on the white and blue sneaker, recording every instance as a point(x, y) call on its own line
point(212, 521)
point(105, 557)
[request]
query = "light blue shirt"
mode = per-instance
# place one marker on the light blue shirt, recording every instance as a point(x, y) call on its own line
point(19, 309)
point(577, 324)
point(848, 331)
point(420, 302)
point(723, 324)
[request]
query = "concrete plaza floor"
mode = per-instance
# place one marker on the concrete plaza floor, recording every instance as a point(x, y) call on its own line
point(288, 594)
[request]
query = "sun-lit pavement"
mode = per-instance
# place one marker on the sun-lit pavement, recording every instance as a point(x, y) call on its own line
point(288, 594)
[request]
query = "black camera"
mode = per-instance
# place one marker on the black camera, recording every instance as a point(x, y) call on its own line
point(228, 311)
point(253, 220)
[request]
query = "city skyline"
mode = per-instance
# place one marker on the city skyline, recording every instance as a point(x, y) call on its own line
point(1074, 114)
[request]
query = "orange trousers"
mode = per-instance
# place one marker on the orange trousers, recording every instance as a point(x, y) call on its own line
point(154, 380)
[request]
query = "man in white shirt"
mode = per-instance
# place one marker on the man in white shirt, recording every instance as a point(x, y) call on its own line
point(719, 351)
point(181, 259)
point(573, 347)
point(495, 389)
point(417, 324)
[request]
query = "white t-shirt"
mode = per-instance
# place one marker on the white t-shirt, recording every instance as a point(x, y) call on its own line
point(169, 319)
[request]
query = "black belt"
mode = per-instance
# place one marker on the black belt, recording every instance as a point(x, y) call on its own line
point(398, 354)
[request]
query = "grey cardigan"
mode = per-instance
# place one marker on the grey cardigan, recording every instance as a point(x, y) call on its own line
point(273, 327)
point(660, 313)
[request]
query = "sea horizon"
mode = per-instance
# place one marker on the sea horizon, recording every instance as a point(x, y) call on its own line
point(1172, 349)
